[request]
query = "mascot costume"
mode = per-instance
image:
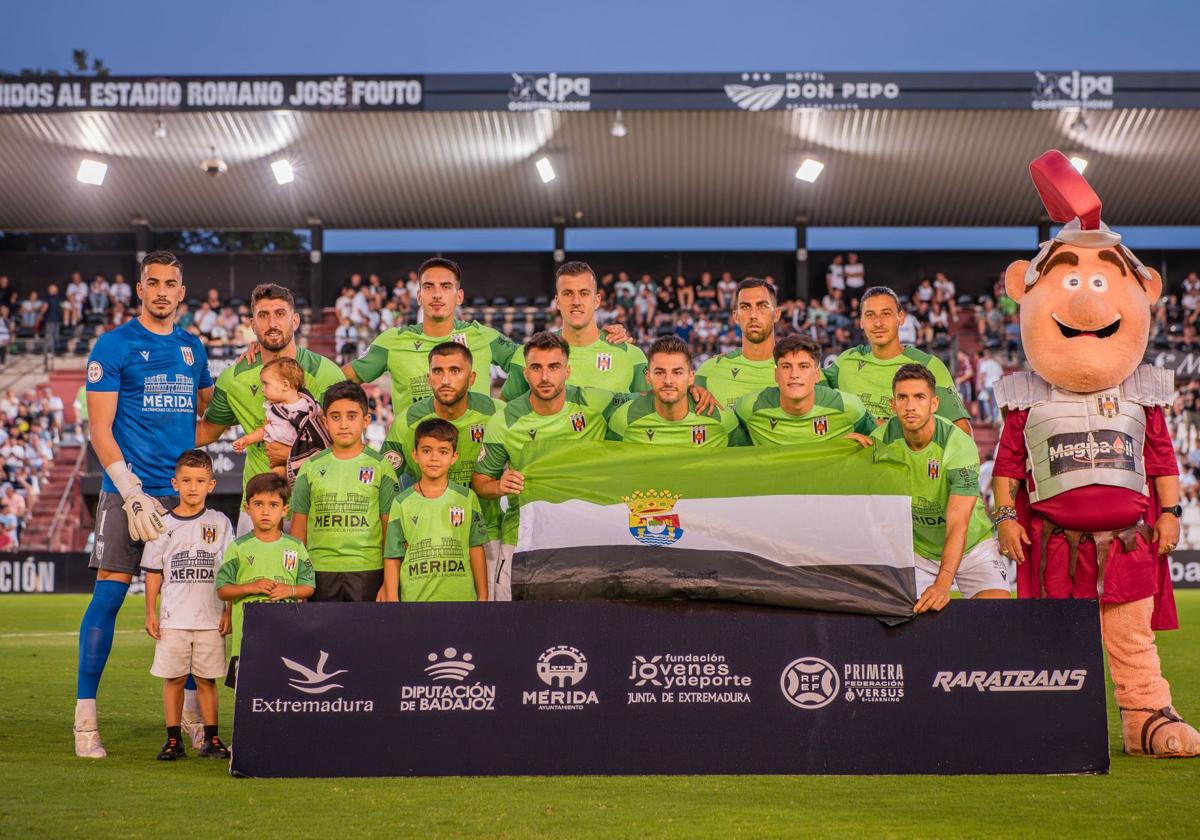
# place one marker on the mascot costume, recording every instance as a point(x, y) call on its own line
point(1086, 480)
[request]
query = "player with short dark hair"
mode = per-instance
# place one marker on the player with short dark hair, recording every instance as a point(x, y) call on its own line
point(752, 367)
point(800, 409)
point(867, 371)
point(146, 381)
point(953, 537)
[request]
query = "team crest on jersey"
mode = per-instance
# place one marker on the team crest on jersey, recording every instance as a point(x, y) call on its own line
point(934, 468)
point(820, 425)
point(459, 338)
point(209, 533)
point(578, 421)
point(1107, 405)
point(476, 433)
point(366, 475)
point(652, 520)
point(289, 560)
point(393, 458)
point(189, 358)
point(456, 516)
point(95, 372)
point(603, 361)
point(699, 435)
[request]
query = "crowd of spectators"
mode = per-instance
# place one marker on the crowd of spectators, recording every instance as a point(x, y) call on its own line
point(31, 429)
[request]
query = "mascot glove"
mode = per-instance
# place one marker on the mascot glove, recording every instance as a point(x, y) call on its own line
point(143, 513)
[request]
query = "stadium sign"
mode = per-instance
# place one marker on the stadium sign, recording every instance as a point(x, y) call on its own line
point(1185, 364)
point(523, 91)
point(586, 687)
point(45, 573)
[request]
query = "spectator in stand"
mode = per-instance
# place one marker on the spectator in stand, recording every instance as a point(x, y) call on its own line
point(5, 334)
point(98, 299)
point(706, 293)
point(964, 381)
point(908, 329)
point(644, 303)
point(944, 292)
point(213, 300)
point(360, 307)
point(344, 305)
point(120, 291)
point(988, 373)
point(206, 320)
point(77, 293)
point(345, 339)
point(119, 315)
point(685, 291)
point(726, 291)
point(52, 320)
point(919, 315)
point(939, 320)
point(32, 311)
point(413, 286)
point(244, 333)
point(10, 294)
point(705, 336)
point(9, 525)
point(924, 292)
point(685, 330)
point(668, 302)
point(990, 322)
point(854, 275)
point(625, 292)
point(184, 317)
point(835, 276)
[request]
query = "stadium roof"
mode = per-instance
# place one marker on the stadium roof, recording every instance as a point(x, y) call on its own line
point(920, 150)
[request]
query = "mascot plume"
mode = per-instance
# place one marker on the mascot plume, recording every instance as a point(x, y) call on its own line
point(1086, 478)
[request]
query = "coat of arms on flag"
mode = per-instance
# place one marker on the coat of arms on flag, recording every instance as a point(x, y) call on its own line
point(934, 468)
point(476, 433)
point(699, 435)
point(189, 358)
point(289, 560)
point(603, 361)
point(1107, 405)
point(456, 516)
point(366, 475)
point(651, 521)
point(820, 425)
point(578, 421)
point(209, 533)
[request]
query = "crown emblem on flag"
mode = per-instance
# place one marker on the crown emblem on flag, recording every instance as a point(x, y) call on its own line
point(651, 521)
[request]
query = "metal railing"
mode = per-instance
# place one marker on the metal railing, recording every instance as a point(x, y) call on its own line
point(64, 503)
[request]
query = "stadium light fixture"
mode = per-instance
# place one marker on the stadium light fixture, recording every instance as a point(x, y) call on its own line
point(810, 170)
point(91, 172)
point(545, 170)
point(1079, 163)
point(284, 174)
point(619, 128)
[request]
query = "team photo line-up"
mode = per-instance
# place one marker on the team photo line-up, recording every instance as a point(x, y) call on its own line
point(434, 515)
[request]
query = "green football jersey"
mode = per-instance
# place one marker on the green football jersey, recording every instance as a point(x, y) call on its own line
point(435, 538)
point(343, 499)
point(403, 352)
point(237, 398)
point(732, 375)
point(248, 558)
point(636, 421)
point(613, 367)
point(470, 425)
point(947, 466)
point(834, 413)
point(857, 371)
point(508, 432)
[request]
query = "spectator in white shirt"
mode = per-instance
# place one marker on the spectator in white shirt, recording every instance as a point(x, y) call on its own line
point(854, 276)
point(120, 291)
point(835, 277)
point(77, 293)
point(988, 373)
point(98, 299)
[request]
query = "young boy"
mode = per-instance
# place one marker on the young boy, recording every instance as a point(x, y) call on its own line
point(189, 625)
point(436, 531)
point(341, 501)
point(266, 564)
point(291, 415)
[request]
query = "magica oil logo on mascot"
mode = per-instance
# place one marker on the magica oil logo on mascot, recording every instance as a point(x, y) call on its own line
point(448, 689)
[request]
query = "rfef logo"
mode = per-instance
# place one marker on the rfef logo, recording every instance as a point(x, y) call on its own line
point(809, 683)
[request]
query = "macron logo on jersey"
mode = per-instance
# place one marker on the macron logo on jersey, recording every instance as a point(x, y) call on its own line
point(145, 355)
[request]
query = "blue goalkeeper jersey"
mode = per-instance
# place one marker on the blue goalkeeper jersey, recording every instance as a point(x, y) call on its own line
point(156, 378)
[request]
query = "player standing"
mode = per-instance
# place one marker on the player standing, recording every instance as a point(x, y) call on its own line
point(147, 380)
point(738, 372)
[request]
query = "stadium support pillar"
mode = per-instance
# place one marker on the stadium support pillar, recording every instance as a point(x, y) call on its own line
point(143, 238)
point(316, 253)
point(800, 286)
point(1043, 230)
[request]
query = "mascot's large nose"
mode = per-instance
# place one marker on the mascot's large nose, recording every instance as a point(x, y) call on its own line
point(1089, 311)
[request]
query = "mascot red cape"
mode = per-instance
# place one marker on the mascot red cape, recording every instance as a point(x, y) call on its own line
point(1086, 480)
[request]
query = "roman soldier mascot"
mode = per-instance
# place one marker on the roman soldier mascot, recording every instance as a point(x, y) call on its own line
point(1086, 480)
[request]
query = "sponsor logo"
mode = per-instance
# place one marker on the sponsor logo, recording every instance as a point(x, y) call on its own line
point(209, 533)
point(686, 678)
point(456, 516)
point(254, 390)
point(168, 395)
point(805, 90)
point(733, 372)
point(561, 667)
point(774, 422)
point(650, 434)
point(578, 421)
point(934, 468)
point(1107, 405)
point(809, 683)
point(1105, 448)
point(476, 433)
point(188, 358)
point(603, 361)
point(549, 93)
point(417, 345)
point(94, 372)
point(1051, 680)
point(1186, 572)
point(873, 682)
point(862, 363)
point(448, 690)
point(651, 521)
point(533, 434)
point(394, 458)
point(289, 560)
point(366, 475)
point(312, 681)
point(145, 354)
point(820, 426)
point(1055, 91)
point(699, 435)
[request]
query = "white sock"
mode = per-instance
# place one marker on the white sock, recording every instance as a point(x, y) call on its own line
point(190, 702)
point(85, 711)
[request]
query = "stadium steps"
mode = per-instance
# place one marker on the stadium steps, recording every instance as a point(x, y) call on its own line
point(72, 531)
point(320, 336)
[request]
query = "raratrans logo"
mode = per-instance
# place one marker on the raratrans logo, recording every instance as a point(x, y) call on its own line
point(561, 667)
point(686, 678)
point(448, 689)
point(550, 93)
point(1012, 681)
point(1055, 91)
point(312, 681)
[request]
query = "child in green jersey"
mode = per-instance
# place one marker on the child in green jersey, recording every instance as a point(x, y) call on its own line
point(436, 531)
point(266, 564)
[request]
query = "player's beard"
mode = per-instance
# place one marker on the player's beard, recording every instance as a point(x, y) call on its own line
point(163, 313)
point(455, 399)
point(277, 345)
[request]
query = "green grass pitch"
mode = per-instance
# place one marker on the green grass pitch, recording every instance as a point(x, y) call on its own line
point(46, 791)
